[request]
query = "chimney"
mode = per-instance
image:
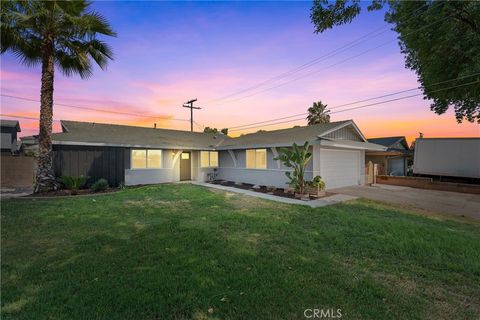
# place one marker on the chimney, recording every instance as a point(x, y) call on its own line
point(155, 125)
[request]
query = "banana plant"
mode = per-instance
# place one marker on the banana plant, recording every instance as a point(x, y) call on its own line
point(297, 158)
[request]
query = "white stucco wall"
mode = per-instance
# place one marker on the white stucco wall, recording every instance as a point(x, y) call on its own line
point(170, 171)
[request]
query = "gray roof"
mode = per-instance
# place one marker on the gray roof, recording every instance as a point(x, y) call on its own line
point(117, 135)
point(389, 141)
point(88, 133)
point(282, 137)
point(10, 124)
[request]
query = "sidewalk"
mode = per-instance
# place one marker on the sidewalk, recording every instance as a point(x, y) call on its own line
point(322, 202)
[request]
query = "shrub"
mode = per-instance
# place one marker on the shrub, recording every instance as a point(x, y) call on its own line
point(296, 158)
point(317, 182)
point(100, 185)
point(73, 183)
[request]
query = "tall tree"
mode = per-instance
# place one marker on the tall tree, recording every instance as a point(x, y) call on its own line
point(62, 34)
point(318, 113)
point(440, 41)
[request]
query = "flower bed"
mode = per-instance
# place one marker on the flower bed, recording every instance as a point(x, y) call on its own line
point(281, 192)
point(65, 192)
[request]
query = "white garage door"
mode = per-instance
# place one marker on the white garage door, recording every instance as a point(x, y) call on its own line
point(339, 168)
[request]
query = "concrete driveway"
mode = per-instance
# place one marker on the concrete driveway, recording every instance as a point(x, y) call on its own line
point(442, 202)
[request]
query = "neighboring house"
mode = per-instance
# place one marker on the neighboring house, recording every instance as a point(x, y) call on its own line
point(449, 157)
point(16, 171)
point(393, 161)
point(9, 130)
point(138, 155)
point(29, 145)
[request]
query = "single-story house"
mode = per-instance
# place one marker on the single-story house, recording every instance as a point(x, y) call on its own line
point(137, 155)
point(447, 157)
point(8, 131)
point(393, 161)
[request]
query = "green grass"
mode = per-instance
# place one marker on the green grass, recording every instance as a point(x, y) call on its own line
point(176, 251)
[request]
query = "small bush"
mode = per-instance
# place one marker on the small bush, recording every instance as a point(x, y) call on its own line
point(73, 183)
point(317, 182)
point(100, 185)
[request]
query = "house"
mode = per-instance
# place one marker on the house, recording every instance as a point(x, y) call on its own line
point(9, 130)
point(393, 161)
point(138, 155)
point(15, 170)
point(447, 157)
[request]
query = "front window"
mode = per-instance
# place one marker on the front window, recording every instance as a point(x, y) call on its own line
point(139, 159)
point(154, 159)
point(256, 158)
point(143, 159)
point(208, 159)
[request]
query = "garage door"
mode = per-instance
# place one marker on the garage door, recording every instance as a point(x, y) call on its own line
point(339, 168)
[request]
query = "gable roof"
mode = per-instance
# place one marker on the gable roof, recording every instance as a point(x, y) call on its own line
point(10, 124)
point(285, 137)
point(99, 134)
point(390, 142)
point(90, 133)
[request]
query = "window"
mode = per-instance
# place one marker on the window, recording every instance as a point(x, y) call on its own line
point(185, 155)
point(208, 159)
point(213, 159)
point(256, 159)
point(139, 159)
point(154, 159)
point(142, 159)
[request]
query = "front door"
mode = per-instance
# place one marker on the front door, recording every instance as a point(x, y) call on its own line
point(185, 166)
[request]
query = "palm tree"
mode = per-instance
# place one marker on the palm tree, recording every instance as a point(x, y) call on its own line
point(318, 113)
point(53, 33)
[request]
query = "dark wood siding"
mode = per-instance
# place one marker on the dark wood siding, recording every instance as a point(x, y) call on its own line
point(95, 162)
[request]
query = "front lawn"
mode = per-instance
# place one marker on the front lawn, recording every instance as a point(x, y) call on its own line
point(183, 251)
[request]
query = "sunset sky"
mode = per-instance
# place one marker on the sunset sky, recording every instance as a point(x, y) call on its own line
point(168, 53)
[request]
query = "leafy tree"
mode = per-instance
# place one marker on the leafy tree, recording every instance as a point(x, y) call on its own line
point(210, 130)
point(215, 130)
point(53, 33)
point(318, 113)
point(296, 158)
point(448, 48)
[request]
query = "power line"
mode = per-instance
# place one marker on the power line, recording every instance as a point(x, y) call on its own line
point(358, 101)
point(36, 119)
point(329, 66)
point(332, 53)
point(359, 107)
point(93, 109)
point(21, 117)
point(303, 66)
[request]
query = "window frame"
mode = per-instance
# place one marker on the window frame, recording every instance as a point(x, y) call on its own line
point(146, 159)
point(255, 152)
point(209, 159)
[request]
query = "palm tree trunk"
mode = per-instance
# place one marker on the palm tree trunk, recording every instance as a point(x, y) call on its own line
point(45, 180)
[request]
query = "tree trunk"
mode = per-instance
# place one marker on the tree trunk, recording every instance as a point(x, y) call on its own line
point(45, 180)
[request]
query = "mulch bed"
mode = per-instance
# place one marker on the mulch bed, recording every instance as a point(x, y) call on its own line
point(264, 189)
point(64, 193)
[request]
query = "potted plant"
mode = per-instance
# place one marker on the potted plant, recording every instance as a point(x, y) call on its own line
point(316, 187)
point(296, 158)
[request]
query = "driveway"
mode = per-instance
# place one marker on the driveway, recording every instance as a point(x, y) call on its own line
point(443, 202)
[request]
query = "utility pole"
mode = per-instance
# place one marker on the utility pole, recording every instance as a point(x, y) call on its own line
point(189, 104)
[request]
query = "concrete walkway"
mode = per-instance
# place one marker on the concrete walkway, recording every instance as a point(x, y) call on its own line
point(322, 202)
point(8, 193)
point(443, 202)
